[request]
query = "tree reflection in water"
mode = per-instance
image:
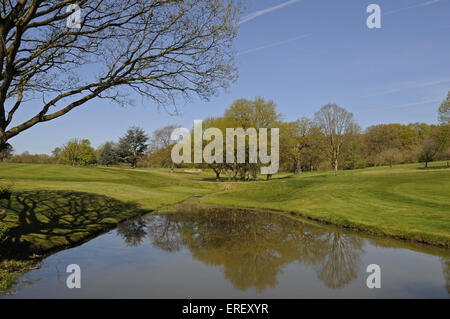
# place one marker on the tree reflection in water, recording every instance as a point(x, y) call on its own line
point(251, 247)
point(132, 231)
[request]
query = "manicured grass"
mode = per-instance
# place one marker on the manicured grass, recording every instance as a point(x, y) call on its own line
point(403, 202)
point(56, 206)
point(150, 188)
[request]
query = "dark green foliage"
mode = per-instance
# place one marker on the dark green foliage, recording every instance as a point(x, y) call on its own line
point(132, 145)
point(6, 151)
point(108, 154)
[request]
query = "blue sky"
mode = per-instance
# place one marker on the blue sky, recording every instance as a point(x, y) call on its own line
point(302, 54)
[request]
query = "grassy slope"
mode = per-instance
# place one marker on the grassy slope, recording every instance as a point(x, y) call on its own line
point(403, 202)
point(56, 206)
point(151, 189)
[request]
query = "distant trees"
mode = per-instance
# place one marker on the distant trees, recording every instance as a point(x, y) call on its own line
point(159, 149)
point(382, 139)
point(444, 111)
point(437, 141)
point(245, 114)
point(26, 157)
point(331, 140)
point(108, 154)
point(132, 145)
point(336, 124)
point(56, 153)
point(78, 152)
point(390, 156)
point(305, 143)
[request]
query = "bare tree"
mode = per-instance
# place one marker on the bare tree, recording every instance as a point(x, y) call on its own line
point(336, 123)
point(158, 48)
point(161, 138)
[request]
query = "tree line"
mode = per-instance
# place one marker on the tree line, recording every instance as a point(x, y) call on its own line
point(332, 139)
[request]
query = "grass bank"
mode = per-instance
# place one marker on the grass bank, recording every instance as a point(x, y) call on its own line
point(406, 203)
point(55, 206)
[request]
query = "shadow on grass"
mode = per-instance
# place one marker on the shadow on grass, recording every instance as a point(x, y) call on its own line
point(434, 167)
point(226, 179)
point(39, 222)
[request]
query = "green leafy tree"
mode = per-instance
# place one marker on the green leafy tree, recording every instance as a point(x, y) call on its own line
point(78, 152)
point(437, 142)
point(444, 111)
point(87, 153)
point(133, 145)
point(257, 113)
point(108, 154)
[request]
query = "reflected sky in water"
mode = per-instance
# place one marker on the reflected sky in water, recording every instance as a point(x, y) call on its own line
point(237, 254)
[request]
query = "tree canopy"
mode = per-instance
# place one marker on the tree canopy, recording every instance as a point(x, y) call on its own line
point(132, 145)
point(159, 49)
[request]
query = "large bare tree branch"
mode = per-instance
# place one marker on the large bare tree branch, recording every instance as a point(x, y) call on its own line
point(158, 48)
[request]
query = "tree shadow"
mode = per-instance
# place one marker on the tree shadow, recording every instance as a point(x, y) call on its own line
point(39, 222)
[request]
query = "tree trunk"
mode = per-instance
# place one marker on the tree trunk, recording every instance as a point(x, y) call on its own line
point(298, 167)
point(217, 175)
point(335, 166)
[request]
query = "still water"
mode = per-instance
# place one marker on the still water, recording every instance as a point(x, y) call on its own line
point(236, 254)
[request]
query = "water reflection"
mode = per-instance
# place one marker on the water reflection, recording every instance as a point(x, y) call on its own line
point(133, 232)
point(252, 248)
point(446, 269)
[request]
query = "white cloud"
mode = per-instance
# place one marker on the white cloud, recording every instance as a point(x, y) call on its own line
point(256, 14)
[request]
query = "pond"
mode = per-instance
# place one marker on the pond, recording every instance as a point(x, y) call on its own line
point(238, 254)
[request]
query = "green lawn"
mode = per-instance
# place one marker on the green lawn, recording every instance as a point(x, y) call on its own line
point(403, 202)
point(56, 205)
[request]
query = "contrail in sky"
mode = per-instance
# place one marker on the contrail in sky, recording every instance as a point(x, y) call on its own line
point(404, 105)
point(423, 4)
point(256, 14)
point(275, 44)
point(410, 85)
point(415, 103)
